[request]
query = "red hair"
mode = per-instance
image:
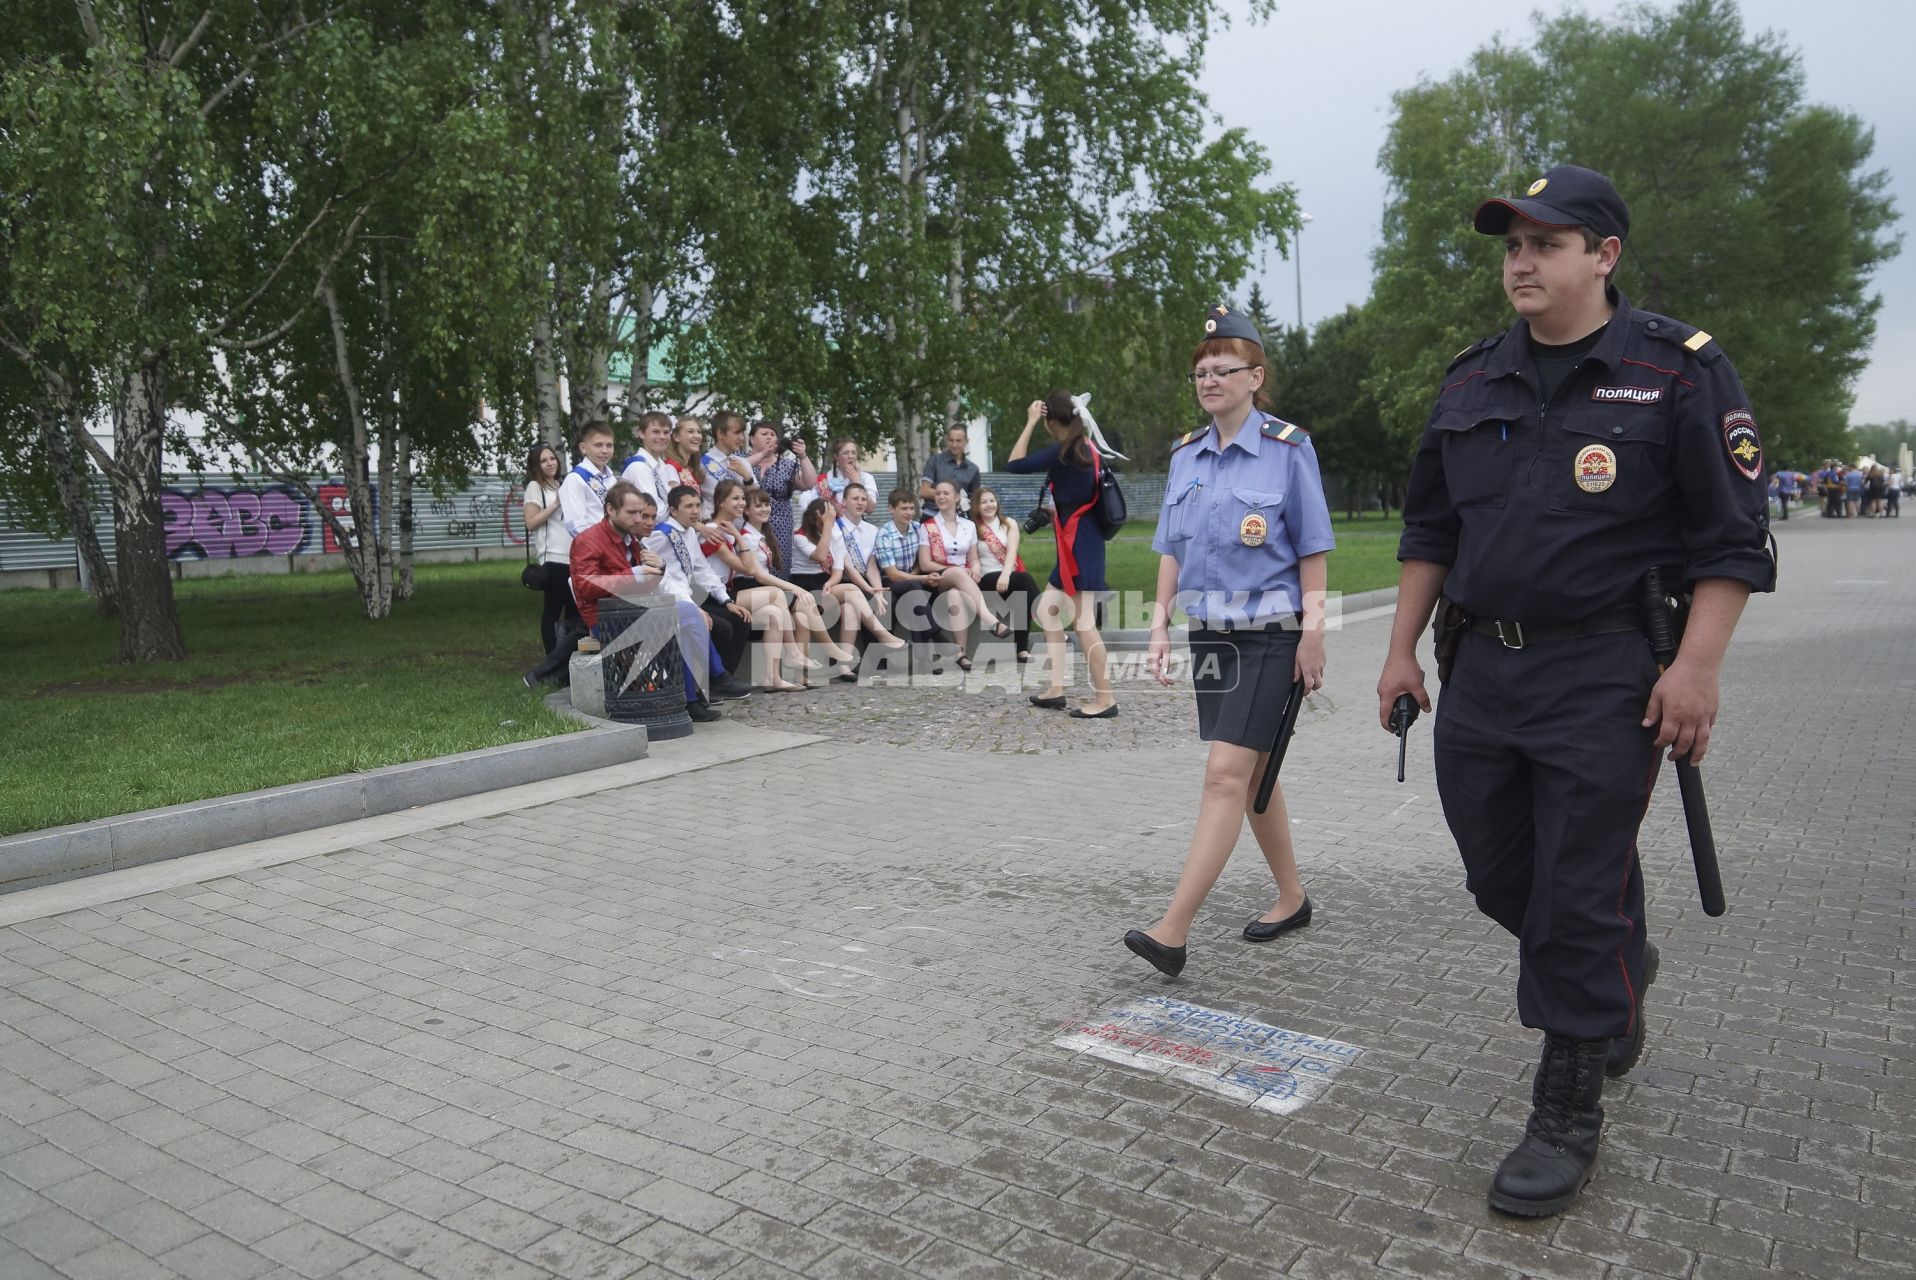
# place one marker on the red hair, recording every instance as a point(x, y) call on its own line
point(1244, 351)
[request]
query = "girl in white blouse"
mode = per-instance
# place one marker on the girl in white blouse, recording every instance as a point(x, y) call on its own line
point(1004, 573)
point(547, 541)
point(762, 593)
point(844, 473)
point(818, 545)
point(950, 555)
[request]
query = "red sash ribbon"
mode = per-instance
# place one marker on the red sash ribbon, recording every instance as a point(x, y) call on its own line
point(1067, 532)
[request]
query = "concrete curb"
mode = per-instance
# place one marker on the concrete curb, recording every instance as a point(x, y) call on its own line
point(152, 835)
point(1356, 602)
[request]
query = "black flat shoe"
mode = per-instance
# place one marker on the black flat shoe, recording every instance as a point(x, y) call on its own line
point(1168, 961)
point(1265, 930)
point(1049, 704)
point(1109, 713)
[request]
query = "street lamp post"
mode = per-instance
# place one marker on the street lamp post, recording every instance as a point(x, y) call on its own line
point(1297, 257)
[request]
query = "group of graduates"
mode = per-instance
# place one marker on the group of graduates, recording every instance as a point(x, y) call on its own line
point(1842, 492)
point(712, 533)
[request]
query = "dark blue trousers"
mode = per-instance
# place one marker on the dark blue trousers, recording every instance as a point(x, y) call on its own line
point(1545, 771)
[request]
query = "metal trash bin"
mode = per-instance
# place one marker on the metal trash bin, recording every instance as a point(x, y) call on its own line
point(644, 677)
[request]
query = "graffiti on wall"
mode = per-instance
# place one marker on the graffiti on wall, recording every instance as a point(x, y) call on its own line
point(221, 524)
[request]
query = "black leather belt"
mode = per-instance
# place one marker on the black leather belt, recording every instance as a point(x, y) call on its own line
point(1521, 635)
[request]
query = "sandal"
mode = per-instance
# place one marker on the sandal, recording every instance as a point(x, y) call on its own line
point(964, 663)
point(1001, 630)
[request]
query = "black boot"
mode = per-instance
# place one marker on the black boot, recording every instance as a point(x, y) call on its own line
point(1559, 1148)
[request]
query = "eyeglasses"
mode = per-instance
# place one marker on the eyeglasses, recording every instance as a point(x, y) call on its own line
point(1215, 375)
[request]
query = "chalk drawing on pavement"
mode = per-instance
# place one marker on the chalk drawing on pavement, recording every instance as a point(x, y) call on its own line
point(804, 976)
point(1265, 1067)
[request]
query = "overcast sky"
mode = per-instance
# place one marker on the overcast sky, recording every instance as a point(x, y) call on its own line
point(1313, 86)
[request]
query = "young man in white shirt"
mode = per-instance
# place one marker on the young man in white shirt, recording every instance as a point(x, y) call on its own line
point(646, 469)
point(689, 576)
point(582, 492)
point(860, 540)
point(725, 460)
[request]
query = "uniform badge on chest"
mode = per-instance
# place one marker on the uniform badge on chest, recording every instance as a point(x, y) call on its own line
point(1251, 530)
point(1596, 468)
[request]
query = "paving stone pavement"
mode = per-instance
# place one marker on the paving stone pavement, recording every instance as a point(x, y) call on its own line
point(794, 1016)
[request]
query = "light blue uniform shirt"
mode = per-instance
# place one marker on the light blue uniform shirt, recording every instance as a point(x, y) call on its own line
point(1209, 496)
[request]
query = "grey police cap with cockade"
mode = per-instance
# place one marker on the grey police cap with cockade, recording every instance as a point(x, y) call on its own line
point(1222, 322)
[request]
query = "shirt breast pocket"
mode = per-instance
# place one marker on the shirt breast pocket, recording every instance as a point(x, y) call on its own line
point(1257, 512)
point(1612, 464)
point(1478, 459)
point(1180, 514)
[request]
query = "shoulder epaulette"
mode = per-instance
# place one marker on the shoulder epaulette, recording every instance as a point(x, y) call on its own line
point(1192, 438)
point(1288, 432)
point(1482, 344)
point(1689, 337)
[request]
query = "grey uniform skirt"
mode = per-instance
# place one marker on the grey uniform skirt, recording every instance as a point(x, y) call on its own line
point(1243, 678)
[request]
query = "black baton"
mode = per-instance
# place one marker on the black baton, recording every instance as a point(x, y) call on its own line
point(1286, 726)
point(1696, 810)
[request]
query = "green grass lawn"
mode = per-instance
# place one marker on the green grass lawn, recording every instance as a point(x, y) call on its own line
point(286, 682)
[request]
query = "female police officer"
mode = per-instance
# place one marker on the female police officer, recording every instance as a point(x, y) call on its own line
point(1243, 534)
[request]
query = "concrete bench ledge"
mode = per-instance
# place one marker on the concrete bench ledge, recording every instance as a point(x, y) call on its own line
point(153, 835)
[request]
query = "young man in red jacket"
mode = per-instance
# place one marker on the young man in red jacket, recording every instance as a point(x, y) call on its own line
point(610, 558)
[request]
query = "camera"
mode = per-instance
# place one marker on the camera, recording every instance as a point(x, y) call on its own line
point(785, 443)
point(1040, 518)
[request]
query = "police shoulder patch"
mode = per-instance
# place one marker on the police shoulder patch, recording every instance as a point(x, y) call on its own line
point(1744, 445)
point(1288, 432)
point(1191, 438)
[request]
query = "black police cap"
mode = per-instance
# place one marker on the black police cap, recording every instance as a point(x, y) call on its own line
point(1222, 322)
point(1567, 196)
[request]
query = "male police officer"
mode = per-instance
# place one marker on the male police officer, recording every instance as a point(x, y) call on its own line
point(1588, 444)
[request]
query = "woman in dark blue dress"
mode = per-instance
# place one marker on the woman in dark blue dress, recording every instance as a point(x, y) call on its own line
point(1071, 464)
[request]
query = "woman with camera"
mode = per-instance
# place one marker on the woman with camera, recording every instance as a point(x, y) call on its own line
point(1243, 537)
point(1071, 466)
point(1002, 571)
point(781, 467)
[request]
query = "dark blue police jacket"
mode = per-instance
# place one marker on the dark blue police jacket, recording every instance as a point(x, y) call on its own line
point(1546, 513)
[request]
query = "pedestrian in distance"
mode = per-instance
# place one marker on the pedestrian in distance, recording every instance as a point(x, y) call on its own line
point(1243, 541)
point(1567, 457)
point(1070, 464)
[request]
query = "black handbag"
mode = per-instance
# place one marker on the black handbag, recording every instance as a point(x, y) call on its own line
point(533, 576)
point(1109, 508)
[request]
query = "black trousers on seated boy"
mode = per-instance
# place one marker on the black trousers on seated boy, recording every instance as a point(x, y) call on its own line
point(730, 634)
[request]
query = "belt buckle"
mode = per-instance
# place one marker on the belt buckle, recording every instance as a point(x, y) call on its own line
point(1516, 629)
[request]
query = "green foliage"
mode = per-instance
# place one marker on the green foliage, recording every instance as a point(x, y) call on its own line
point(1001, 198)
point(1880, 440)
point(1753, 214)
point(1323, 384)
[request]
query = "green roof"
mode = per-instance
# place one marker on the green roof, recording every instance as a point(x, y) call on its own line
point(658, 363)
